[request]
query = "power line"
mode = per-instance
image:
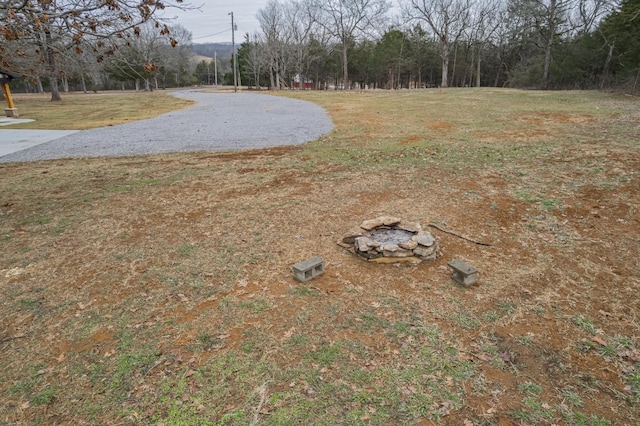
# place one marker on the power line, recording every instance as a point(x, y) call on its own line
point(211, 35)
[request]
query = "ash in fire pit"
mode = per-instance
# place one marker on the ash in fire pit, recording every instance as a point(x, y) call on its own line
point(389, 239)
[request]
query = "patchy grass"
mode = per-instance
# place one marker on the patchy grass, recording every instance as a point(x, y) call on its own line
point(158, 290)
point(81, 111)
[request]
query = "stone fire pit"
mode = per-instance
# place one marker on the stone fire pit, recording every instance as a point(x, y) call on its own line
point(389, 239)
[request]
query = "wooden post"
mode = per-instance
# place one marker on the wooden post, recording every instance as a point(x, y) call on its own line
point(7, 94)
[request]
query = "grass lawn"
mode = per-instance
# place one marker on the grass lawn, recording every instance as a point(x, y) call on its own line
point(158, 290)
point(81, 111)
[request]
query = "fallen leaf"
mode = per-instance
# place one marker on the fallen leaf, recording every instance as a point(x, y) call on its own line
point(190, 373)
point(599, 340)
point(289, 333)
point(463, 355)
point(483, 357)
point(224, 336)
point(467, 422)
point(45, 371)
point(61, 357)
point(604, 313)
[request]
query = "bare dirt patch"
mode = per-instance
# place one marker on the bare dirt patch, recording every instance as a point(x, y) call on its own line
point(159, 290)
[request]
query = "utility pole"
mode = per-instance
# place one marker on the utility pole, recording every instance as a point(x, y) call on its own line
point(215, 67)
point(233, 54)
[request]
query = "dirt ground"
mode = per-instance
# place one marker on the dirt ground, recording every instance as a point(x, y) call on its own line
point(158, 290)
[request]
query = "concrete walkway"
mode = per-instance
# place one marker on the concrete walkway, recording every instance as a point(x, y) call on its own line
point(16, 140)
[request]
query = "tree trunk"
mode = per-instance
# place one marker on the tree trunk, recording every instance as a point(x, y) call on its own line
point(607, 62)
point(55, 90)
point(479, 60)
point(52, 68)
point(345, 66)
point(83, 84)
point(445, 65)
point(549, 43)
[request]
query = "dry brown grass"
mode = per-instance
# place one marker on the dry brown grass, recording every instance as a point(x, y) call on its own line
point(158, 289)
point(80, 111)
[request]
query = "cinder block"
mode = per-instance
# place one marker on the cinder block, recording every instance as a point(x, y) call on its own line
point(463, 273)
point(11, 112)
point(308, 269)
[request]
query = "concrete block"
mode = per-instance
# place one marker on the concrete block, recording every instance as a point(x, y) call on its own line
point(463, 273)
point(308, 269)
point(11, 112)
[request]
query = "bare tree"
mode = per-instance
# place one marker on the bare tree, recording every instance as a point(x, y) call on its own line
point(485, 21)
point(347, 19)
point(58, 26)
point(253, 58)
point(176, 60)
point(276, 35)
point(300, 21)
point(138, 59)
point(448, 19)
point(586, 14)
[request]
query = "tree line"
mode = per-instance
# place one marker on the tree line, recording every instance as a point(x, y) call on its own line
point(321, 44)
point(545, 44)
point(96, 44)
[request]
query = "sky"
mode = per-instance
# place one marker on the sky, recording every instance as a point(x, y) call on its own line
point(212, 23)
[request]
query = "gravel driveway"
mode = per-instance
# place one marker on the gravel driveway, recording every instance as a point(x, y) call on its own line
point(218, 122)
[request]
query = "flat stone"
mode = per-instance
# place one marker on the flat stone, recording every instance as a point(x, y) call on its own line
point(424, 239)
point(371, 224)
point(395, 260)
point(425, 251)
point(351, 236)
point(398, 253)
point(379, 221)
point(390, 220)
point(409, 226)
point(408, 245)
point(390, 247)
point(362, 243)
point(367, 255)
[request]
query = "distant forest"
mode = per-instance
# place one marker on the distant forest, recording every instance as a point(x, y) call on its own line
point(332, 44)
